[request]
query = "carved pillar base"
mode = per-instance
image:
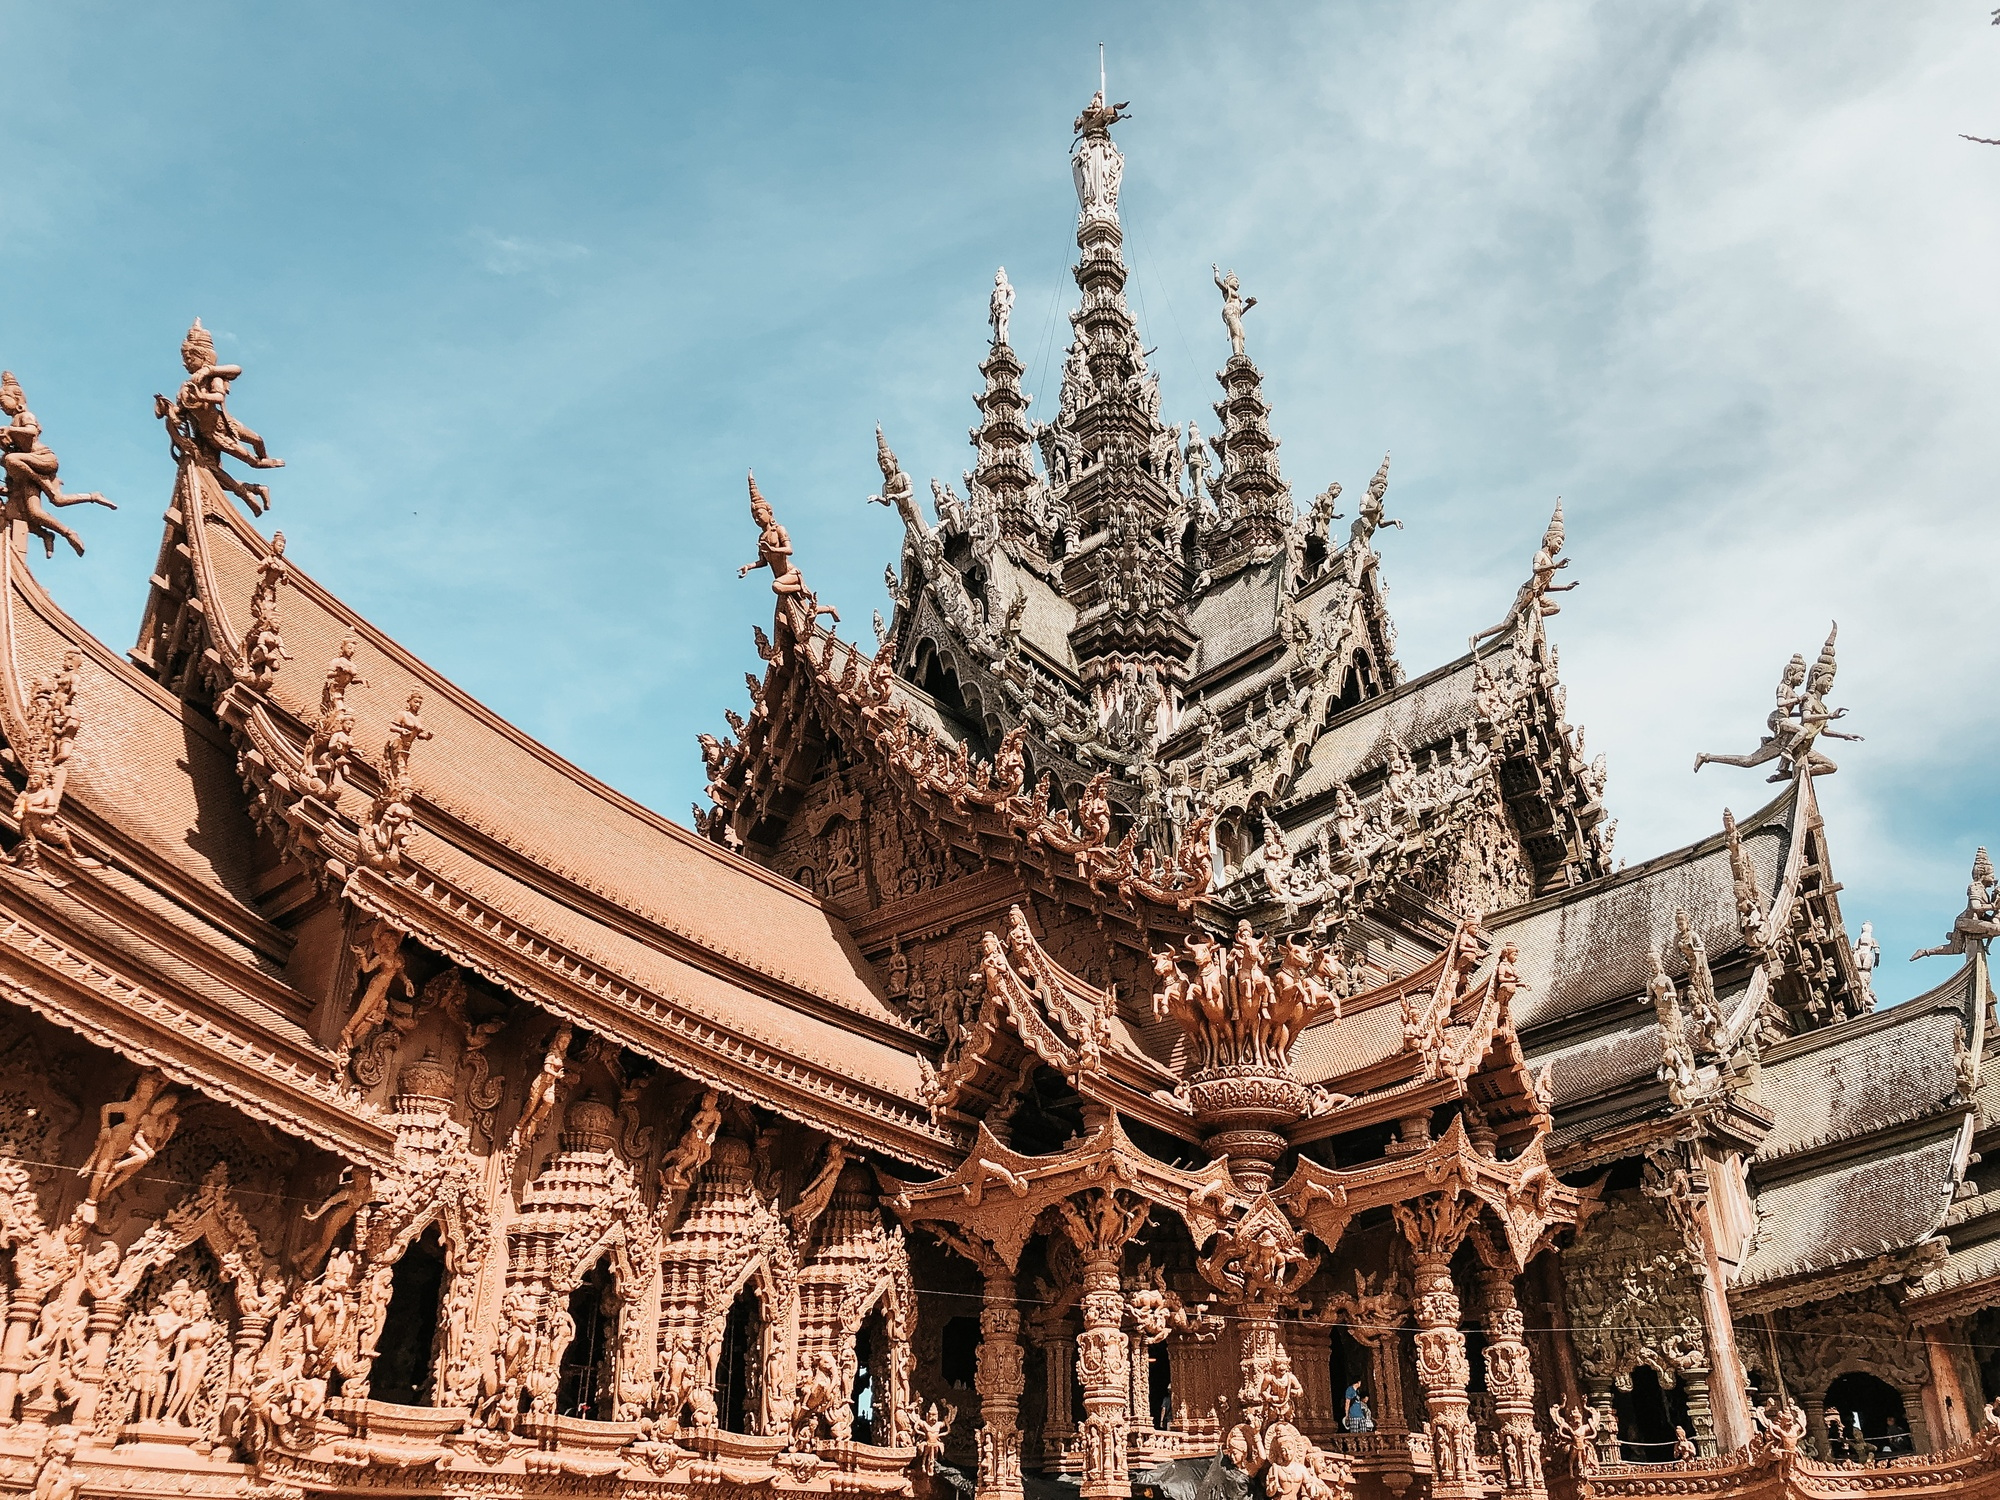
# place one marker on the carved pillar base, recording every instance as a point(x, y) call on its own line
point(1701, 1416)
point(1598, 1389)
point(1434, 1227)
point(1510, 1380)
point(999, 1382)
point(1101, 1361)
point(1058, 1346)
point(1815, 1408)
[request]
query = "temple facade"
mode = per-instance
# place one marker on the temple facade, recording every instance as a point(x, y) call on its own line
point(1120, 1034)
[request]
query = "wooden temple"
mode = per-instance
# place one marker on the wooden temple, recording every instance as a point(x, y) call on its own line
point(1121, 1034)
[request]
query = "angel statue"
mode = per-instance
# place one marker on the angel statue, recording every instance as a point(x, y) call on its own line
point(1234, 306)
point(1001, 306)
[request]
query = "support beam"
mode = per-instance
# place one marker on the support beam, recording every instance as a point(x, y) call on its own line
point(1434, 1227)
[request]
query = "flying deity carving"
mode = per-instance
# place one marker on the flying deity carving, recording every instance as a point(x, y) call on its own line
point(1978, 924)
point(1533, 600)
point(130, 1133)
point(30, 467)
point(1800, 717)
point(774, 551)
point(202, 429)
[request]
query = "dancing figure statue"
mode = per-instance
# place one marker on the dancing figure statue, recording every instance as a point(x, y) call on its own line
point(1533, 598)
point(203, 430)
point(30, 467)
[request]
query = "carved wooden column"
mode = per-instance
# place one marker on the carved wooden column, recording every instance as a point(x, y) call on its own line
point(998, 1381)
point(1058, 1345)
point(22, 1312)
point(1510, 1379)
point(1434, 1227)
point(1100, 1224)
point(105, 1316)
point(1815, 1408)
point(1311, 1346)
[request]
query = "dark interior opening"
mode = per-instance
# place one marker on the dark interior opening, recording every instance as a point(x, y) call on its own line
point(1159, 1385)
point(871, 1367)
point(959, 1352)
point(586, 1379)
point(736, 1367)
point(404, 1353)
point(1647, 1417)
point(1874, 1404)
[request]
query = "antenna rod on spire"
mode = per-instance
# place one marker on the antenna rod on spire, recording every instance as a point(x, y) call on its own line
point(1100, 67)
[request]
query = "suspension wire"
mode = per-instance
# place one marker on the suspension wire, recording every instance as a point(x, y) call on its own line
point(183, 1180)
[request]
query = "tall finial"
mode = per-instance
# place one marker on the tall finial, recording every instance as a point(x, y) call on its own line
point(1100, 69)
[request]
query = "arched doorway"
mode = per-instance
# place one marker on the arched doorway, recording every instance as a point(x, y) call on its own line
point(587, 1377)
point(405, 1349)
point(868, 1399)
point(1871, 1403)
point(1647, 1417)
point(736, 1372)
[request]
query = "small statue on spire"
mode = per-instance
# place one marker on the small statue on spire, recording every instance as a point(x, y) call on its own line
point(1234, 306)
point(1000, 306)
point(1980, 921)
point(1098, 117)
point(30, 468)
point(1534, 595)
point(201, 427)
point(774, 551)
point(1095, 162)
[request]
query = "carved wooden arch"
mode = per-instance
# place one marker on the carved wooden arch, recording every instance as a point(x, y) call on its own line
point(893, 1290)
point(207, 1217)
point(776, 1293)
point(619, 1226)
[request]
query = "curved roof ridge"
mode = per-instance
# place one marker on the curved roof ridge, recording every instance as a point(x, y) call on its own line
point(506, 786)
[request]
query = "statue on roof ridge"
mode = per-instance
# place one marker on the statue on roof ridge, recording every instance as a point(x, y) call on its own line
point(203, 430)
point(1533, 601)
point(30, 467)
point(1367, 521)
point(1234, 306)
point(774, 551)
point(1799, 718)
point(1000, 306)
point(1980, 921)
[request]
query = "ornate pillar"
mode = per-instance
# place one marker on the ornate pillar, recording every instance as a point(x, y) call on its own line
point(1510, 1379)
point(1434, 1227)
point(1598, 1389)
point(1914, 1414)
point(998, 1381)
point(1311, 1346)
point(1701, 1415)
point(22, 1311)
point(1100, 1223)
point(105, 1316)
point(1815, 1406)
point(1058, 1346)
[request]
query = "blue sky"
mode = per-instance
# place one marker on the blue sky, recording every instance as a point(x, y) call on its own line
point(520, 292)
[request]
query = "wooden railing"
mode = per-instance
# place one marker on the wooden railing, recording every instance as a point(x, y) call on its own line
point(1767, 1472)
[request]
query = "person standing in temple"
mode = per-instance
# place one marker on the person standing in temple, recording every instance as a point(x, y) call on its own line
point(1355, 1414)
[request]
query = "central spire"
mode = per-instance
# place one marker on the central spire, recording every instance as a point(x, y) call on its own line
point(1108, 449)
